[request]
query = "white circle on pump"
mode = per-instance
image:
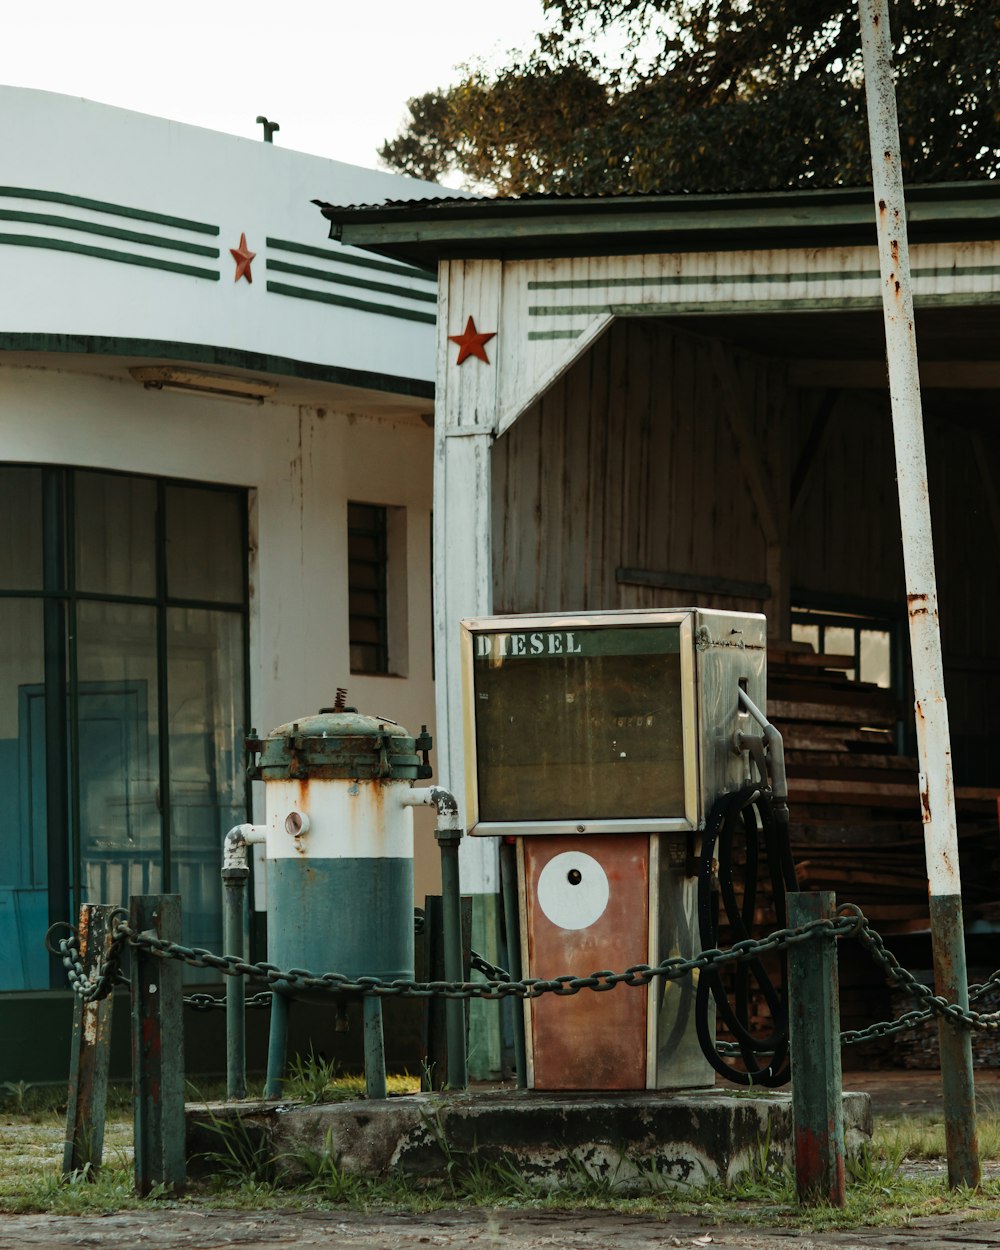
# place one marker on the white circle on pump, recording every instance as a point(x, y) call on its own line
point(573, 890)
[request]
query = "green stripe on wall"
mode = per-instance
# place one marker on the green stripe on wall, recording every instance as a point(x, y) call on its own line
point(109, 232)
point(103, 253)
point(554, 334)
point(102, 206)
point(955, 299)
point(281, 266)
point(345, 258)
point(831, 275)
point(343, 301)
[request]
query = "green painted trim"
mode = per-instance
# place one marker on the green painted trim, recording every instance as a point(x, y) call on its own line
point(102, 206)
point(206, 354)
point(345, 258)
point(597, 284)
point(303, 271)
point(957, 299)
point(753, 279)
point(554, 334)
point(103, 253)
point(109, 232)
point(324, 297)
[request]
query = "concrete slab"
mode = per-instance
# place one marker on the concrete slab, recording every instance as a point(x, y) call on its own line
point(637, 1140)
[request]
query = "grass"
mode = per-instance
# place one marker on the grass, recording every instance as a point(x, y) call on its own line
point(244, 1175)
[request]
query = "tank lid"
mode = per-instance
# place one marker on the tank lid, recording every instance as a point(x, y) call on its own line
point(339, 744)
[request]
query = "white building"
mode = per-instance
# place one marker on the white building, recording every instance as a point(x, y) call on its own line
point(215, 495)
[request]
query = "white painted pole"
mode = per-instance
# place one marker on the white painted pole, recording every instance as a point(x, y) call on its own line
point(937, 792)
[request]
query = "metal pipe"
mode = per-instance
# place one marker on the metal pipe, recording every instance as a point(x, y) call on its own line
point(512, 927)
point(235, 874)
point(449, 836)
point(277, 1046)
point(374, 1039)
point(449, 840)
point(937, 795)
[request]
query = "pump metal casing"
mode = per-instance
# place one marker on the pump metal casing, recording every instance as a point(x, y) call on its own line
point(598, 742)
point(339, 843)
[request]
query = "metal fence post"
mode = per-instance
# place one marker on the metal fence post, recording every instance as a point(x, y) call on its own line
point(814, 1021)
point(448, 840)
point(234, 884)
point(157, 1047)
point(90, 1055)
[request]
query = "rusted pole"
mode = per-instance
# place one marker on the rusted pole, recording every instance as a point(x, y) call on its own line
point(817, 1093)
point(90, 1060)
point(157, 1048)
point(937, 794)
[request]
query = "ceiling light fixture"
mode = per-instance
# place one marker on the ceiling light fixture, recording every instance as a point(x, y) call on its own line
point(225, 385)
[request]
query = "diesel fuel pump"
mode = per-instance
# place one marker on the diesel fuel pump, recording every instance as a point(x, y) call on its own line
point(622, 754)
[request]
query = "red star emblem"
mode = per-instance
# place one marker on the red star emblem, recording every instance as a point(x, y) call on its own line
point(243, 256)
point(471, 343)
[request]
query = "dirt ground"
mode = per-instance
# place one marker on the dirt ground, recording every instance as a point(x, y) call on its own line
point(458, 1230)
point(188, 1228)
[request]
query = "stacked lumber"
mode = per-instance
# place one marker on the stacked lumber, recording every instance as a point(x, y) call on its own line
point(854, 802)
point(856, 825)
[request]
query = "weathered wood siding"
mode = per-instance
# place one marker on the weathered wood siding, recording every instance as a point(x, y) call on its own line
point(845, 537)
point(629, 461)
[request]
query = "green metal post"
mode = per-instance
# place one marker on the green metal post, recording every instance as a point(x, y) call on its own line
point(448, 840)
point(277, 1045)
point(512, 926)
point(90, 1059)
point(234, 881)
point(157, 1048)
point(375, 1084)
point(814, 1020)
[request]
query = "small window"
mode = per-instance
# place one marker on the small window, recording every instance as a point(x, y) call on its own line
point(366, 577)
point(865, 640)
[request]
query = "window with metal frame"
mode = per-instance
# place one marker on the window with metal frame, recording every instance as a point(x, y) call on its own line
point(367, 563)
point(124, 676)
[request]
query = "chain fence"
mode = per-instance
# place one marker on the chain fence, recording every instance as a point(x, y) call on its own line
point(849, 922)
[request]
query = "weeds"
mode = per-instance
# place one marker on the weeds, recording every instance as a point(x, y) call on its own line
point(314, 1080)
point(875, 1170)
point(16, 1092)
point(325, 1176)
point(244, 1154)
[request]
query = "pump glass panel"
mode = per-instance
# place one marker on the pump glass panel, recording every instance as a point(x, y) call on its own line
point(579, 725)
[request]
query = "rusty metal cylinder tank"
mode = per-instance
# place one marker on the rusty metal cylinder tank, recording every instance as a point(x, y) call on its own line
point(339, 848)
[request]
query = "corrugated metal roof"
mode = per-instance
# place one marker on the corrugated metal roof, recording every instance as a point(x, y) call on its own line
point(423, 232)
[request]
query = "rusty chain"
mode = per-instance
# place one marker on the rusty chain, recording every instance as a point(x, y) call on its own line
point(849, 922)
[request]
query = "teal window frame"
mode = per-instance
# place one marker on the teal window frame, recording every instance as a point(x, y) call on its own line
point(61, 599)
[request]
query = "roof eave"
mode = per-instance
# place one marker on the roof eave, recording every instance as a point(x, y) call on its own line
point(427, 233)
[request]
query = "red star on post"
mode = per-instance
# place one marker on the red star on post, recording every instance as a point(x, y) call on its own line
point(471, 343)
point(243, 256)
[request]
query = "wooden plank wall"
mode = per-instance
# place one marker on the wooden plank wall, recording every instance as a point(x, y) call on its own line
point(626, 462)
point(629, 461)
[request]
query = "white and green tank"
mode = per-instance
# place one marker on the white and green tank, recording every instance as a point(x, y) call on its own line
point(339, 842)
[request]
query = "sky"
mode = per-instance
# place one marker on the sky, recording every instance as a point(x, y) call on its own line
point(335, 76)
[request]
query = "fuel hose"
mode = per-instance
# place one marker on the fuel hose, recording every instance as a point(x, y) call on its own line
point(746, 837)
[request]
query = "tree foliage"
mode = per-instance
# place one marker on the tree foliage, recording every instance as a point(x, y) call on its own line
point(713, 95)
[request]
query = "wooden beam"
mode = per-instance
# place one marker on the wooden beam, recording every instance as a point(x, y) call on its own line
point(773, 516)
point(749, 449)
point(810, 452)
point(693, 582)
point(976, 375)
point(985, 464)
